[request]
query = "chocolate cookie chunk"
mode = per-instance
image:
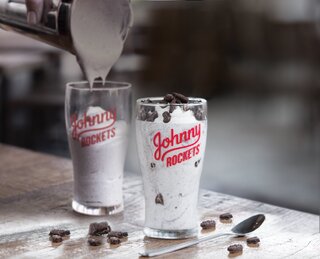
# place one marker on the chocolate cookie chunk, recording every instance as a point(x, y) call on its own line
point(207, 224)
point(59, 232)
point(178, 101)
point(168, 98)
point(114, 241)
point(253, 241)
point(197, 163)
point(165, 104)
point(237, 248)
point(166, 117)
point(151, 116)
point(93, 241)
point(199, 114)
point(118, 234)
point(172, 108)
point(181, 97)
point(142, 114)
point(56, 239)
point(98, 229)
point(159, 199)
point(226, 216)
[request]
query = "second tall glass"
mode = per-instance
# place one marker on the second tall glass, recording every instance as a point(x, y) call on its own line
point(97, 122)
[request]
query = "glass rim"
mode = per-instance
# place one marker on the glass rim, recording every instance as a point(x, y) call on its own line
point(85, 86)
point(141, 103)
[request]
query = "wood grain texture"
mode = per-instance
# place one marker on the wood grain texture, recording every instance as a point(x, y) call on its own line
point(35, 196)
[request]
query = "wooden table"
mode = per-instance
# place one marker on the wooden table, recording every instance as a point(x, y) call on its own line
point(35, 196)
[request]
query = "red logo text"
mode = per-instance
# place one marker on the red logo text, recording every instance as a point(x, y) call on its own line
point(186, 143)
point(93, 129)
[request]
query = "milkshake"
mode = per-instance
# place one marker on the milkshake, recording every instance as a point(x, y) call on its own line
point(98, 134)
point(171, 139)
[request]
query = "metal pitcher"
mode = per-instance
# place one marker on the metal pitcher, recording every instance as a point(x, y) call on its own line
point(54, 31)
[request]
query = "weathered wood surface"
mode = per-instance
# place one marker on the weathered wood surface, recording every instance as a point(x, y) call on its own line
point(35, 196)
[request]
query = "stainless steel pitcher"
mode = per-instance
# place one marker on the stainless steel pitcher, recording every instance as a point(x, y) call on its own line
point(54, 31)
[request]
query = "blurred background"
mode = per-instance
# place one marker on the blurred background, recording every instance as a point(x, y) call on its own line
point(256, 61)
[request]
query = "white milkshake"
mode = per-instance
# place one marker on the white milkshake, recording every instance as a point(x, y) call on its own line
point(171, 158)
point(98, 146)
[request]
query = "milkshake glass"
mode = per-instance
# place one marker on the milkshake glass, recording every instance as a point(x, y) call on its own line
point(171, 140)
point(97, 122)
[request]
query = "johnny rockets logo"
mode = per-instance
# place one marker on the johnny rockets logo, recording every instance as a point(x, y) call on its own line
point(177, 147)
point(93, 129)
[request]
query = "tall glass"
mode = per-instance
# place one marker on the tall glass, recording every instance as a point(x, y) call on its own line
point(97, 122)
point(171, 140)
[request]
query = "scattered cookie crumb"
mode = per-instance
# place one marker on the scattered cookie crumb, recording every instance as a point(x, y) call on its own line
point(226, 216)
point(253, 241)
point(234, 249)
point(208, 224)
point(98, 229)
point(159, 199)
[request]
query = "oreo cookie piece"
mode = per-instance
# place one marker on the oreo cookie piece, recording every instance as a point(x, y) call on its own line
point(168, 98)
point(253, 240)
point(142, 114)
point(199, 114)
point(165, 104)
point(172, 107)
point(226, 216)
point(166, 117)
point(98, 229)
point(197, 163)
point(234, 249)
point(181, 98)
point(59, 232)
point(151, 116)
point(178, 101)
point(159, 199)
point(207, 224)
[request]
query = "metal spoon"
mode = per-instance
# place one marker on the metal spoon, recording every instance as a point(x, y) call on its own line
point(244, 227)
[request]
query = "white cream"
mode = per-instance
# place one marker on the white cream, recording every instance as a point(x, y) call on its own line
point(99, 29)
point(178, 184)
point(98, 168)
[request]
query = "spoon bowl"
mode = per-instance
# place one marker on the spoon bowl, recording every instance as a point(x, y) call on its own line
point(249, 224)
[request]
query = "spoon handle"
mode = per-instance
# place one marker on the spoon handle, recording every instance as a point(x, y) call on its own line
point(169, 249)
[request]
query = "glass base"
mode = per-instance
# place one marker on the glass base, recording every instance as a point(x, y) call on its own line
point(96, 211)
point(170, 234)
